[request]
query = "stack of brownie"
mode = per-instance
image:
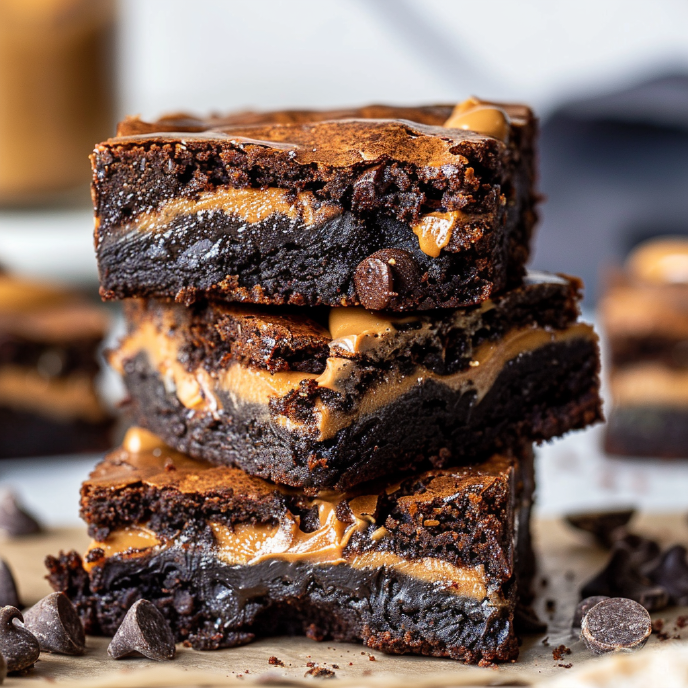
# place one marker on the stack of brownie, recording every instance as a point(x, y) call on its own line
point(338, 366)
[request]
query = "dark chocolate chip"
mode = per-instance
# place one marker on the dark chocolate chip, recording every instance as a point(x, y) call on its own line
point(56, 624)
point(145, 631)
point(583, 607)
point(621, 578)
point(18, 646)
point(642, 550)
point(8, 588)
point(385, 275)
point(671, 573)
point(602, 525)
point(616, 625)
point(14, 520)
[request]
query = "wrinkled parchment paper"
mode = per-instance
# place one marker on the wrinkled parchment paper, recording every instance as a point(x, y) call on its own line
point(566, 559)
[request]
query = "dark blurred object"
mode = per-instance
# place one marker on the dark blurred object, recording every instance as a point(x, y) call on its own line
point(49, 341)
point(644, 313)
point(56, 94)
point(615, 173)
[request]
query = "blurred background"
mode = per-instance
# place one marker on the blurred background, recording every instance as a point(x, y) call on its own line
point(608, 80)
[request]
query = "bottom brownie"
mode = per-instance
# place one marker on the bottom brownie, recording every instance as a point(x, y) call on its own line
point(429, 566)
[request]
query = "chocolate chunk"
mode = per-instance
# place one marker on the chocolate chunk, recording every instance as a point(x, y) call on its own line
point(583, 607)
point(642, 550)
point(604, 526)
point(616, 625)
point(671, 573)
point(14, 520)
point(384, 275)
point(56, 624)
point(18, 646)
point(620, 577)
point(144, 630)
point(8, 588)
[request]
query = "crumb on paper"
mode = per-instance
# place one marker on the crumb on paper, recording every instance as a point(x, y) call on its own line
point(545, 641)
point(658, 625)
point(275, 661)
point(681, 621)
point(320, 672)
point(558, 653)
point(565, 666)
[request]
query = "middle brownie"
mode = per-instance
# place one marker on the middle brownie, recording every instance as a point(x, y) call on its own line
point(334, 397)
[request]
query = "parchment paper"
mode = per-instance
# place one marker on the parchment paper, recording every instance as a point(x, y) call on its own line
point(566, 559)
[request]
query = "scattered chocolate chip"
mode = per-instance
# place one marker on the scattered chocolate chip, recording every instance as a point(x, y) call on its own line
point(275, 661)
point(616, 624)
point(602, 525)
point(18, 646)
point(385, 275)
point(8, 588)
point(56, 624)
point(320, 672)
point(620, 578)
point(671, 573)
point(558, 653)
point(144, 630)
point(15, 521)
point(582, 609)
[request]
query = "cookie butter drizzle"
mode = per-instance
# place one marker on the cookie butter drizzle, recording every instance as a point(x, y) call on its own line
point(356, 331)
point(246, 544)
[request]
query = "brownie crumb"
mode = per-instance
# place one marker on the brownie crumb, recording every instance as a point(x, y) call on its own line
point(310, 664)
point(320, 672)
point(371, 658)
point(657, 625)
point(275, 661)
point(545, 641)
point(682, 621)
point(559, 652)
point(565, 666)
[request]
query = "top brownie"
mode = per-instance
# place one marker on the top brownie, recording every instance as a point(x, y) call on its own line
point(387, 207)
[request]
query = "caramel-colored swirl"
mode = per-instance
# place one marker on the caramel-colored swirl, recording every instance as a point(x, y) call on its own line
point(483, 118)
point(250, 205)
point(661, 261)
point(434, 230)
point(200, 390)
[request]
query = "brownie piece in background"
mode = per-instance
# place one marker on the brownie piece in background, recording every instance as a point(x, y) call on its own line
point(334, 397)
point(644, 313)
point(391, 208)
point(49, 341)
point(227, 557)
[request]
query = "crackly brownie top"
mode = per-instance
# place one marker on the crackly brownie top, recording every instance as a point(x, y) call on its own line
point(461, 515)
point(298, 339)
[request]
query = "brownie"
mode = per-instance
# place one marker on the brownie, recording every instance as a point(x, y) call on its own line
point(333, 397)
point(49, 341)
point(644, 312)
point(383, 207)
point(427, 565)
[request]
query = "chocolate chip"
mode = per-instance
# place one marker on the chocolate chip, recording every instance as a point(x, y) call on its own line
point(671, 573)
point(8, 588)
point(602, 525)
point(14, 520)
point(18, 646)
point(582, 608)
point(144, 630)
point(614, 625)
point(642, 550)
point(384, 275)
point(56, 624)
point(621, 578)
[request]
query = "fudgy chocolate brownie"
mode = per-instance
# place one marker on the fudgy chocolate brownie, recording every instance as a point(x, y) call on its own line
point(428, 565)
point(49, 339)
point(644, 313)
point(333, 397)
point(390, 208)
